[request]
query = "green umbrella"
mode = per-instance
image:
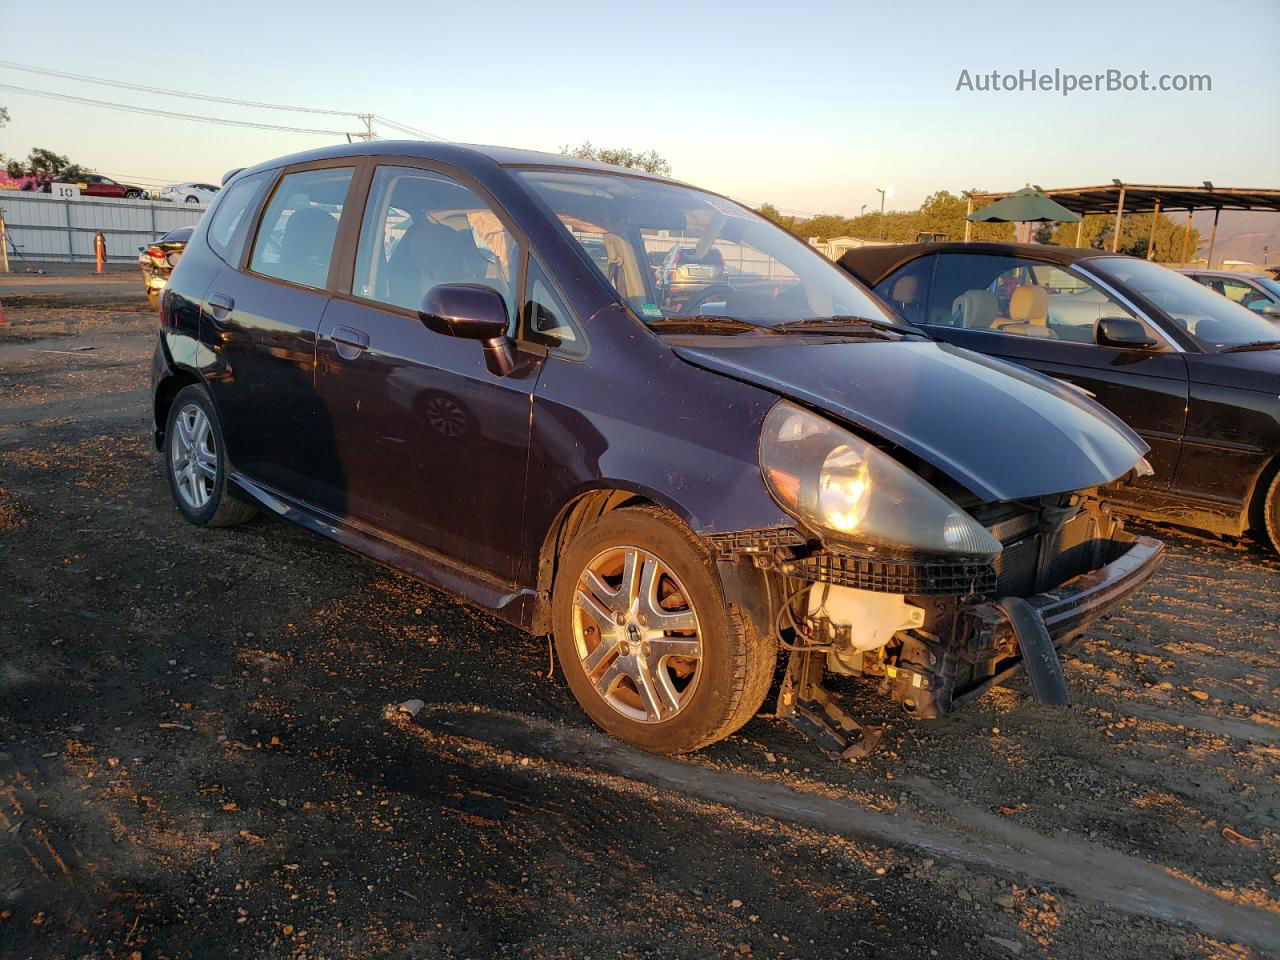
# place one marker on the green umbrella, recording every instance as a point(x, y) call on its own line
point(1026, 205)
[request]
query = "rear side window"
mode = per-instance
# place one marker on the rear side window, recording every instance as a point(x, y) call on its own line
point(230, 220)
point(296, 236)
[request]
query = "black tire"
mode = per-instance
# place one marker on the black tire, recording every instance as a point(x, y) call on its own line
point(132, 195)
point(1271, 513)
point(221, 506)
point(736, 665)
point(192, 199)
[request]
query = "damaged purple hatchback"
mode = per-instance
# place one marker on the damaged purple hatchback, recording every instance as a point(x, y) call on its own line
point(479, 365)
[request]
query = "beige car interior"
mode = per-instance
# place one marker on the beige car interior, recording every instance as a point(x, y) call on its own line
point(1028, 311)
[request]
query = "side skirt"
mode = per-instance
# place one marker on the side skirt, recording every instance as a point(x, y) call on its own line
point(519, 606)
point(1226, 518)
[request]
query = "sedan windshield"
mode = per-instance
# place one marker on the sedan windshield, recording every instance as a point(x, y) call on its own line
point(1216, 322)
point(673, 253)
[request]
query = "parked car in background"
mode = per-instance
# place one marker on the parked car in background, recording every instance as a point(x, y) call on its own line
point(1259, 292)
point(94, 185)
point(158, 259)
point(189, 193)
point(1196, 375)
point(417, 350)
point(690, 277)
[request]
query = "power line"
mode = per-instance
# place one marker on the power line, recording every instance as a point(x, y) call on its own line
point(168, 113)
point(405, 128)
point(173, 93)
point(367, 118)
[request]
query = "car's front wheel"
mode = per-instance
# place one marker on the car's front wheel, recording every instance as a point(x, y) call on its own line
point(1271, 513)
point(645, 639)
point(133, 195)
point(196, 463)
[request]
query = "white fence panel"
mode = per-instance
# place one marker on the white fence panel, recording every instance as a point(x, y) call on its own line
point(42, 227)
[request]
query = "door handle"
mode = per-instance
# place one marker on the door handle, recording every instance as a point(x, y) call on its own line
point(350, 341)
point(221, 306)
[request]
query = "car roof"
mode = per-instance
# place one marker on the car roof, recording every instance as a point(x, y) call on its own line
point(873, 264)
point(458, 154)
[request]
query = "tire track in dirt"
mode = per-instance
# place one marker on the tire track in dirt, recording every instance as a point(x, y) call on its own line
point(962, 833)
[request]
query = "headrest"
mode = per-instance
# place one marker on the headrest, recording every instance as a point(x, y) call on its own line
point(1029, 303)
point(904, 288)
point(975, 309)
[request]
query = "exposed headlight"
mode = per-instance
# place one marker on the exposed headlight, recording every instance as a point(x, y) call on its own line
point(838, 482)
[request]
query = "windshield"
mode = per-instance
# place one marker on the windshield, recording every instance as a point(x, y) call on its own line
point(673, 252)
point(1212, 319)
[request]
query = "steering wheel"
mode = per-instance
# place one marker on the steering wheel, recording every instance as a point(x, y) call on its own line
point(717, 291)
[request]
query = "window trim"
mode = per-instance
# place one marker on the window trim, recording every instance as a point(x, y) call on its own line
point(246, 255)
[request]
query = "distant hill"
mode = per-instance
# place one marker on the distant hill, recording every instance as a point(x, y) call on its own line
point(1242, 234)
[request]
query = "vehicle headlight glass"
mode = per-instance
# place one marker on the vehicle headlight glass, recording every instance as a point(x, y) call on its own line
point(836, 481)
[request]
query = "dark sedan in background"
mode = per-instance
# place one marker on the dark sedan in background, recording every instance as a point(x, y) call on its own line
point(157, 260)
point(1196, 375)
point(1259, 292)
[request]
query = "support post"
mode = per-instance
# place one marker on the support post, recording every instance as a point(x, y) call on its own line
point(1186, 236)
point(1151, 238)
point(1115, 234)
point(4, 245)
point(1213, 236)
point(1080, 232)
point(968, 224)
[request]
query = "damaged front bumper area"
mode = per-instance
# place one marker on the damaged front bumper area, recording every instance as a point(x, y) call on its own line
point(939, 634)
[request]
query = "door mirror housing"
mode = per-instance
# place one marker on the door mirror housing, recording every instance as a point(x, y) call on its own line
point(471, 311)
point(1125, 333)
point(1271, 310)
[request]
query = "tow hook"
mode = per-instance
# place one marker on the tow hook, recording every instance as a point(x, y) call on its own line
point(816, 712)
point(1044, 669)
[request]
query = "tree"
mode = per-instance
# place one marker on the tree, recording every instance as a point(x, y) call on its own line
point(44, 164)
point(649, 161)
point(1135, 233)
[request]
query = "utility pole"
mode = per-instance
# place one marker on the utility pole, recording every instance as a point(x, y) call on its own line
point(367, 134)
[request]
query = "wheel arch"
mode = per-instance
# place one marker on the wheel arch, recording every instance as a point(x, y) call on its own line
point(577, 512)
point(162, 401)
point(1254, 514)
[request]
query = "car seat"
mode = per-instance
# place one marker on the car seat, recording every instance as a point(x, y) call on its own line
point(1028, 313)
point(430, 254)
point(305, 246)
point(974, 309)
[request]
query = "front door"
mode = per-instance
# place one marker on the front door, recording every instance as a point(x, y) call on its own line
point(260, 325)
point(1042, 316)
point(432, 446)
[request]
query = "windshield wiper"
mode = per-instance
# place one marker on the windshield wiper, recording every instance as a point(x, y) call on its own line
point(1250, 347)
point(706, 323)
point(862, 326)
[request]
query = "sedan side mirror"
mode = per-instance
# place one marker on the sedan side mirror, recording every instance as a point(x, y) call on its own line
point(471, 311)
point(1125, 333)
point(1271, 310)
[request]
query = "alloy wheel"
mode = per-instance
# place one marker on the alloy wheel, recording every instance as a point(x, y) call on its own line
point(193, 457)
point(637, 635)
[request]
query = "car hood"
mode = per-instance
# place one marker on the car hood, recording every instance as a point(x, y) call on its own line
point(1253, 370)
point(1003, 432)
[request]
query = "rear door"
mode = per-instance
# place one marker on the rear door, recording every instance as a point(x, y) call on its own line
point(260, 322)
point(431, 445)
point(1042, 315)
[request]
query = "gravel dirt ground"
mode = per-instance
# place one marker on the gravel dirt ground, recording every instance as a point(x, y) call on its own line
point(200, 754)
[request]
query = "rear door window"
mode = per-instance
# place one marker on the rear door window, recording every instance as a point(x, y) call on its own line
point(300, 226)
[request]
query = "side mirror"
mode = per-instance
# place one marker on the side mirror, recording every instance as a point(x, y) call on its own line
point(1125, 333)
point(1271, 310)
point(471, 311)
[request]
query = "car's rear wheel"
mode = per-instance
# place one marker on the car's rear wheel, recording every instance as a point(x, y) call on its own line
point(196, 463)
point(645, 640)
point(1271, 513)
